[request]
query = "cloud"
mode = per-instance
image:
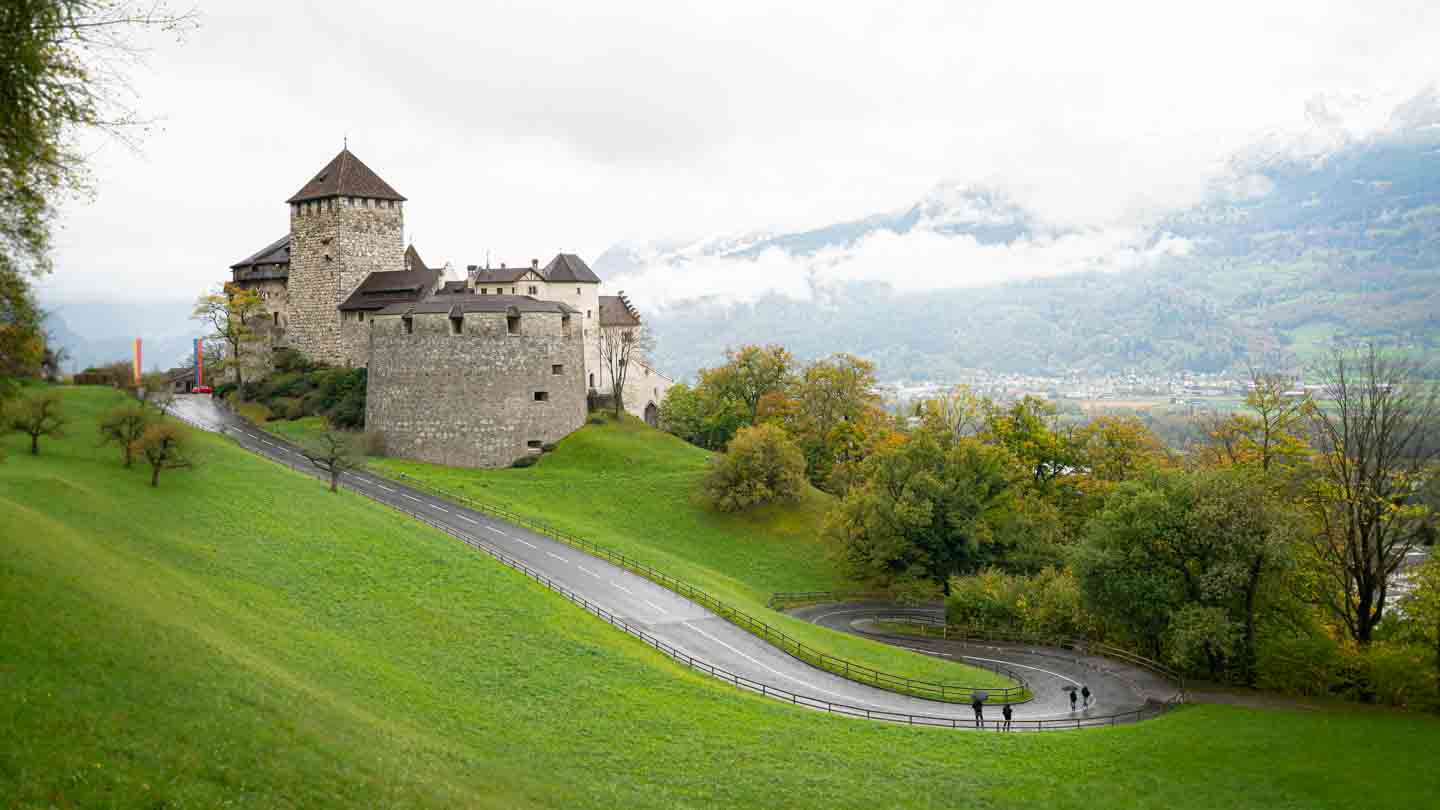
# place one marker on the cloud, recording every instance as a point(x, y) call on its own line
point(520, 129)
point(916, 261)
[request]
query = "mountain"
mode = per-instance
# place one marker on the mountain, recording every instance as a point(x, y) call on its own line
point(1304, 243)
point(98, 332)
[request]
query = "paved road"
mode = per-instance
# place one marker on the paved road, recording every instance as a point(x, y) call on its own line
point(675, 620)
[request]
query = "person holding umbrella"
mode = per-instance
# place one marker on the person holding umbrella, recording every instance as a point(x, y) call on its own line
point(1071, 689)
point(977, 702)
point(1007, 712)
point(1085, 695)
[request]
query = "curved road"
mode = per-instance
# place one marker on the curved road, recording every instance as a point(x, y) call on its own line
point(687, 626)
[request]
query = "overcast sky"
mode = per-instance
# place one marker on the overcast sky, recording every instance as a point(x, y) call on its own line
point(528, 128)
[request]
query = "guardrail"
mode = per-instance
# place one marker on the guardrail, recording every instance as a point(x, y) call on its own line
point(786, 600)
point(928, 626)
point(740, 681)
point(930, 690)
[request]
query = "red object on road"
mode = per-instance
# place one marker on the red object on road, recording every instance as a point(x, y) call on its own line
point(202, 389)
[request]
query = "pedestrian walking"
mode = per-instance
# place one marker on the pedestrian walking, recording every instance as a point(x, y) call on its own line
point(977, 702)
point(1085, 695)
point(1072, 700)
point(1007, 712)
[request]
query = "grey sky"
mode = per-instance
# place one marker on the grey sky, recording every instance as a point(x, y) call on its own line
point(524, 129)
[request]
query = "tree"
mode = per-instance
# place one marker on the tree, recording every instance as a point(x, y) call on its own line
point(1180, 560)
point(22, 344)
point(761, 466)
point(832, 391)
point(699, 417)
point(58, 79)
point(232, 313)
point(925, 511)
point(1117, 448)
point(124, 425)
point(1029, 429)
point(1421, 607)
point(1378, 432)
point(1270, 436)
point(159, 393)
point(619, 348)
point(962, 410)
point(163, 446)
point(749, 374)
point(40, 414)
point(334, 452)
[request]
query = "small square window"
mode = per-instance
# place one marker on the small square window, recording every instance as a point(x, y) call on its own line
point(409, 324)
point(484, 290)
point(542, 396)
point(362, 316)
point(557, 369)
point(535, 444)
point(457, 325)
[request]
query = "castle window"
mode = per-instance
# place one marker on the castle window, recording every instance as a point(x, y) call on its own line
point(592, 379)
point(457, 324)
point(408, 323)
point(535, 444)
point(484, 290)
point(557, 369)
point(276, 315)
point(362, 316)
point(512, 324)
point(542, 396)
point(587, 313)
point(565, 324)
point(534, 290)
point(512, 290)
point(577, 290)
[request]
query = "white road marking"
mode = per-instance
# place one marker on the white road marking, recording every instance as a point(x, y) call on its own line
point(622, 587)
point(415, 499)
point(757, 663)
point(387, 489)
point(440, 508)
point(588, 571)
point(267, 441)
point(557, 556)
point(656, 607)
point(468, 520)
point(497, 531)
point(1022, 666)
point(522, 542)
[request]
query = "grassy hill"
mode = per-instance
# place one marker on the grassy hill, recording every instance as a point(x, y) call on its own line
point(630, 487)
point(242, 638)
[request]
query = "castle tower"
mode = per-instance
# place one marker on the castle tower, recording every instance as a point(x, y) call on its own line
point(345, 224)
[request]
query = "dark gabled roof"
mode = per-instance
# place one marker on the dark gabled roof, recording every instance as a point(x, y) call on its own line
point(454, 304)
point(413, 260)
point(346, 176)
point(277, 252)
point(380, 290)
point(453, 287)
point(567, 267)
point(615, 310)
point(498, 275)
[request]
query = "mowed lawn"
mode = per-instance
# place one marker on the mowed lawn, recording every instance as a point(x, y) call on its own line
point(242, 638)
point(631, 488)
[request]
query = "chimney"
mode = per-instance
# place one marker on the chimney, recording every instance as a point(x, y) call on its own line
point(534, 264)
point(502, 265)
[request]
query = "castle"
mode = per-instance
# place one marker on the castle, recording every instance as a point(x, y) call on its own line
point(471, 372)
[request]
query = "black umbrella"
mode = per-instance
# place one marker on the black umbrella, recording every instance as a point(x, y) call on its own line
point(979, 696)
point(1069, 687)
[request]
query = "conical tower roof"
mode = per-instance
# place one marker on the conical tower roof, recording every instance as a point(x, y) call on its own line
point(346, 176)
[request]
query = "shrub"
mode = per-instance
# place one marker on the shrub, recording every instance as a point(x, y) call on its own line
point(1047, 603)
point(223, 390)
point(255, 412)
point(1399, 674)
point(547, 447)
point(1311, 664)
point(524, 461)
point(762, 465)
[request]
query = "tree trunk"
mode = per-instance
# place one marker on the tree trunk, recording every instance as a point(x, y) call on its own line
point(155, 475)
point(129, 456)
point(334, 478)
point(34, 444)
point(1248, 653)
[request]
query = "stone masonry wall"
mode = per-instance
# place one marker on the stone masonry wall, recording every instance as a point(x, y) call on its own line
point(469, 400)
point(334, 245)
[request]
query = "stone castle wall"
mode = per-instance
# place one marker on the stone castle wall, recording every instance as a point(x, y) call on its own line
point(469, 400)
point(334, 245)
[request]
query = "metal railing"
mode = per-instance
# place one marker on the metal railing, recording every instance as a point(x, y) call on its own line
point(930, 690)
point(736, 680)
point(932, 627)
